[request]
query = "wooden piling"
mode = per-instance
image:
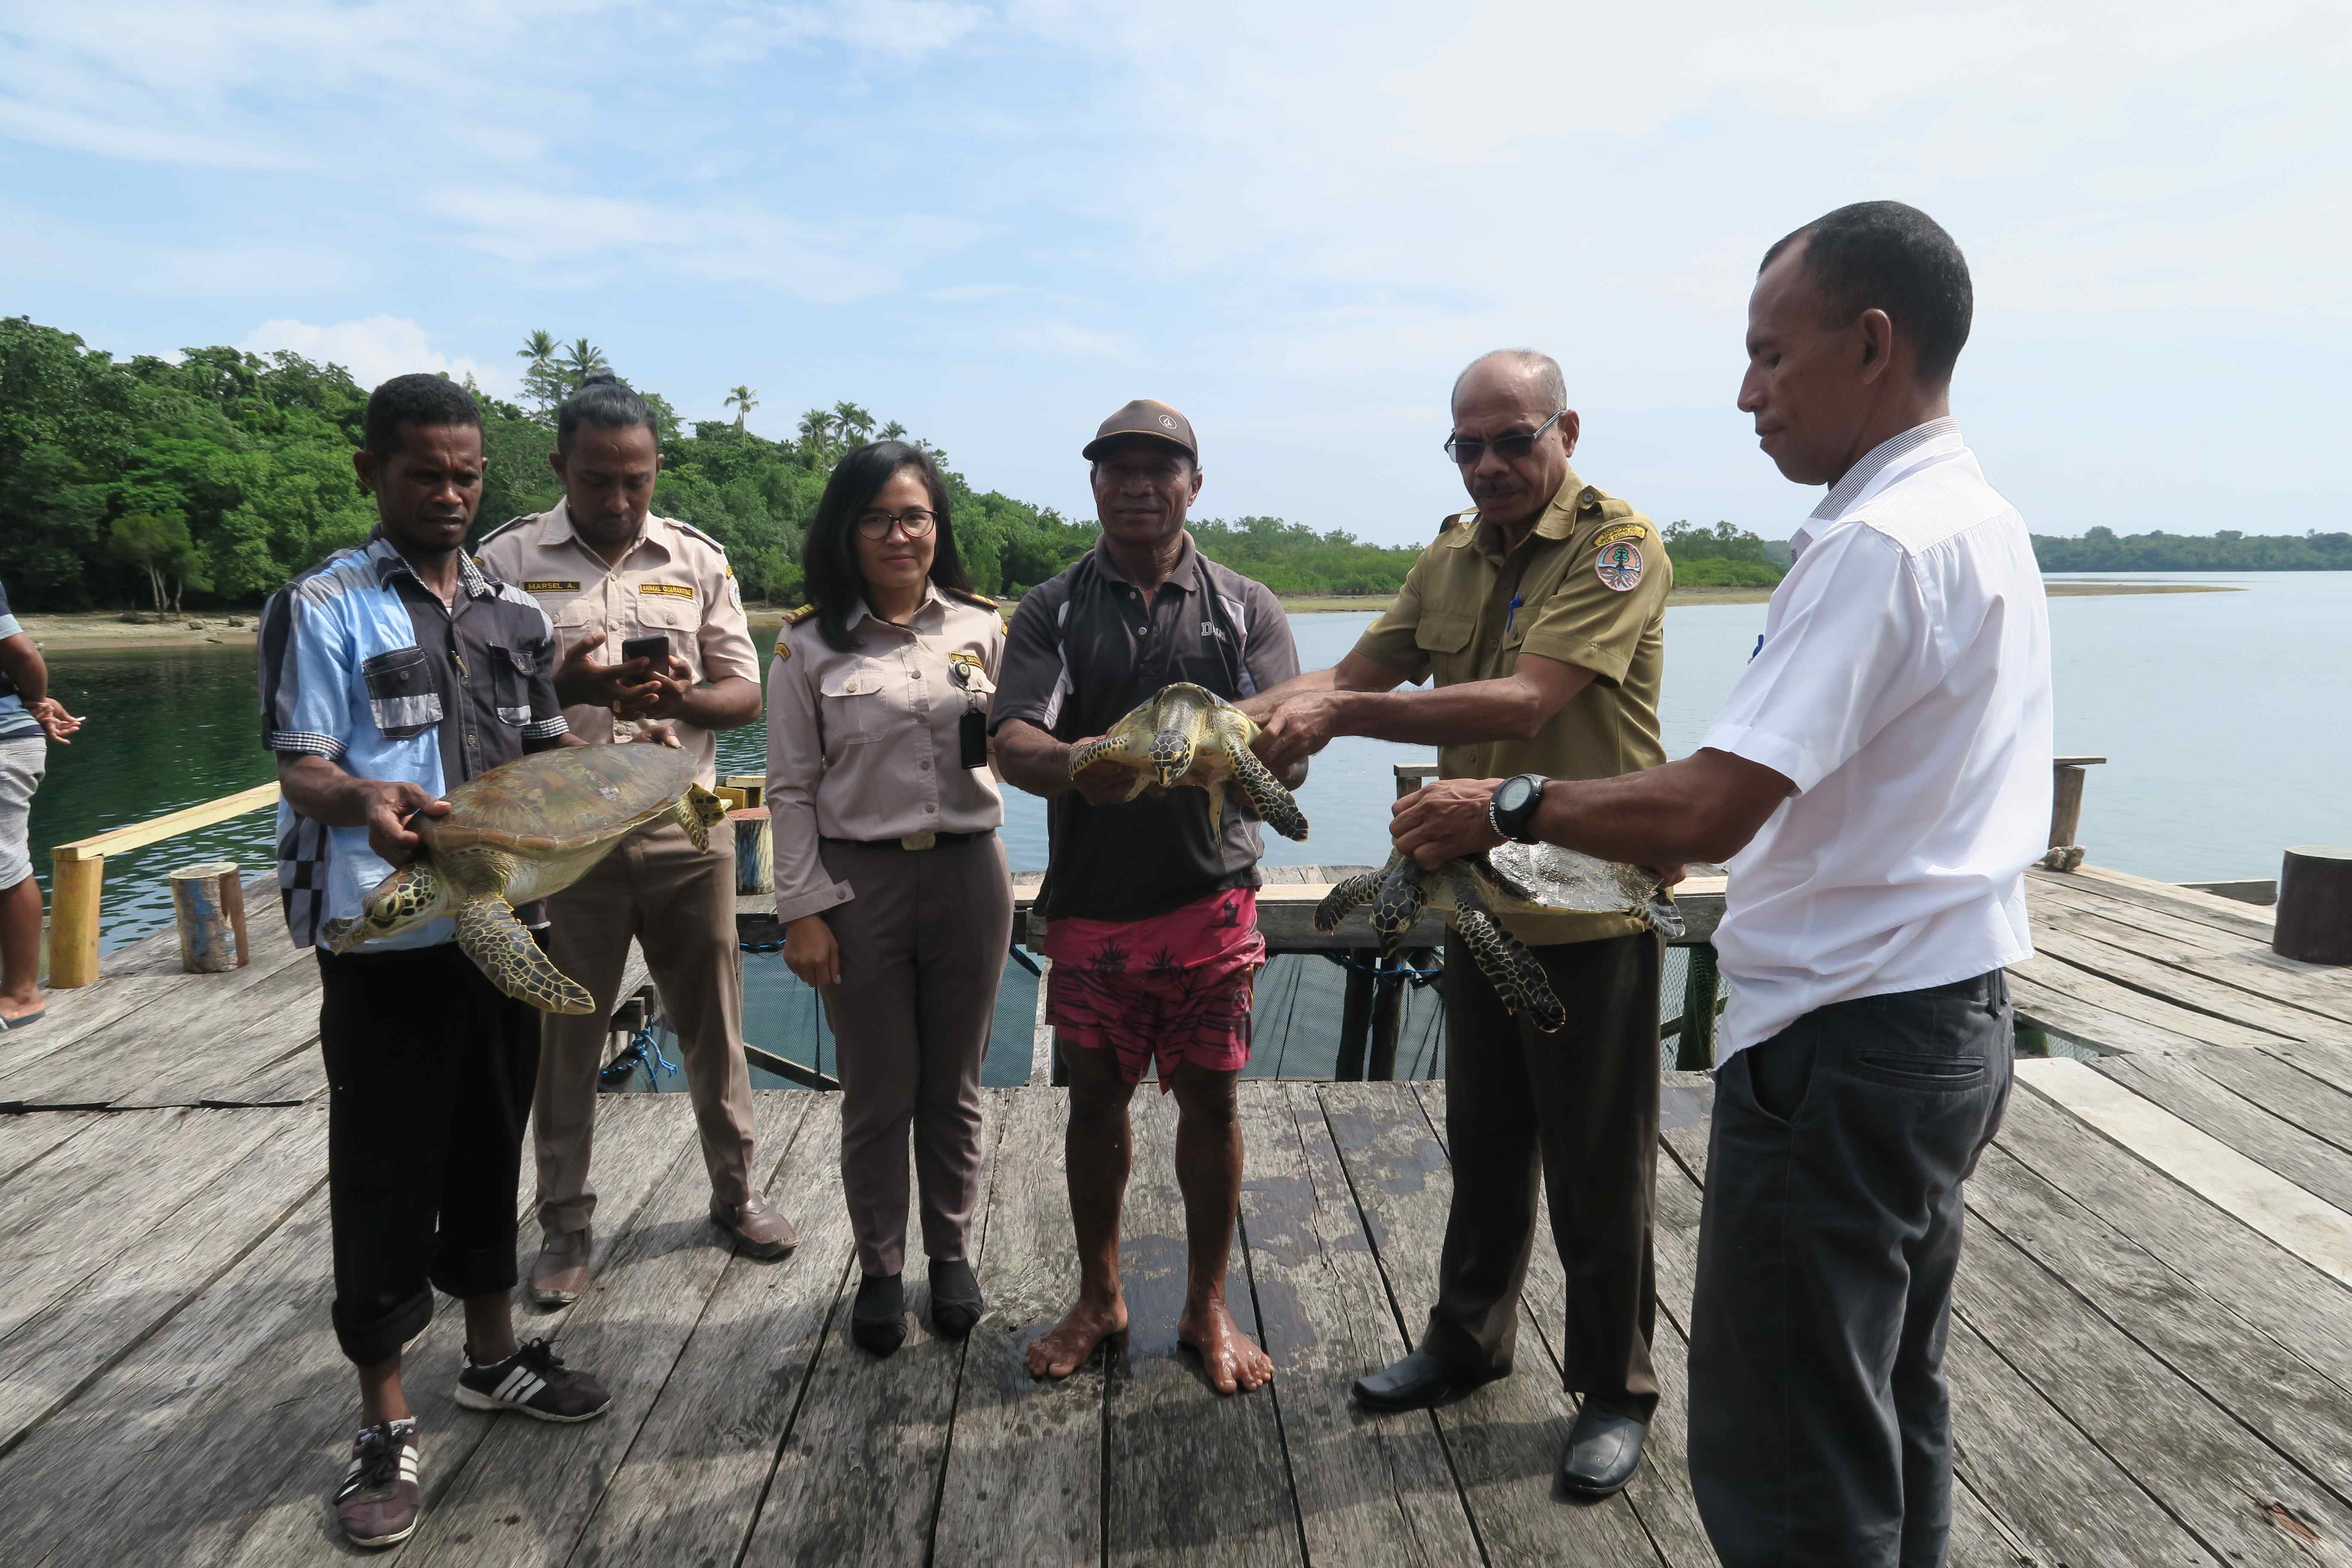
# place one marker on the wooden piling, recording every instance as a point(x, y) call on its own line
point(2315, 905)
point(76, 890)
point(755, 850)
point(209, 905)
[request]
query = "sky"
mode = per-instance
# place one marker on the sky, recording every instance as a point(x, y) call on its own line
point(997, 222)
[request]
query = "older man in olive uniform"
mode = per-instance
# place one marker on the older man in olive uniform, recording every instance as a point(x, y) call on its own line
point(1538, 615)
point(606, 570)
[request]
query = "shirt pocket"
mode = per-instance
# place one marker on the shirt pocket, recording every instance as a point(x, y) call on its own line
point(512, 669)
point(661, 612)
point(402, 697)
point(1445, 639)
point(850, 703)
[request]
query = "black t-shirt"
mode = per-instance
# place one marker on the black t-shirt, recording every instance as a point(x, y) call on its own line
point(1083, 650)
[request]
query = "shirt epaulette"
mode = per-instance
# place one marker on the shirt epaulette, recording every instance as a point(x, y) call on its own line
point(794, 617)
point(688, 529)
point(979, 601)
point(1471, 515)
point(510, 522)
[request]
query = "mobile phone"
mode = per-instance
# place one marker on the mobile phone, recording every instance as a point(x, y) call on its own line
point(654, 648)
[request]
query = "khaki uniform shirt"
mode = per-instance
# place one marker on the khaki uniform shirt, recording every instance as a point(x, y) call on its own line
point(865, 744)
point(675, 581)
point(1592, 580)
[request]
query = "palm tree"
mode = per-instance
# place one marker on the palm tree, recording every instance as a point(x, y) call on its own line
point(582, 360)
point(816, 435)
point(855, 425)
point(893, 431)
point(539, 348)
point(742, 400)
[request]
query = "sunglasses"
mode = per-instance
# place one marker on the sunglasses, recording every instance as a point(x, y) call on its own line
point(914, 520)
point(1467, 449)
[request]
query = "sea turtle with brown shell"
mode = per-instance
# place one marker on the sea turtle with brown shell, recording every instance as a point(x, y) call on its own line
point(1186, 735)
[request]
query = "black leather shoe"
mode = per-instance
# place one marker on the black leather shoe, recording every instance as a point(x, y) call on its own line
point(877, 1321)
point(1604, 1450)
point(1418, 1382)
point(956, 1302)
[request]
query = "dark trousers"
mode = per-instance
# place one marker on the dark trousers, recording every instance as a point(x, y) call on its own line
point(1821, 1432)
point(1580, 1110)
point(429, 1074)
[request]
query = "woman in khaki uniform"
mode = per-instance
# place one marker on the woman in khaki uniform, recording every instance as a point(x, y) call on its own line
point(891, 881)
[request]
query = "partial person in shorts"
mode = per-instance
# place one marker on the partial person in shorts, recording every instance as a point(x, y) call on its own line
point(1151, 911)
point(29, 719)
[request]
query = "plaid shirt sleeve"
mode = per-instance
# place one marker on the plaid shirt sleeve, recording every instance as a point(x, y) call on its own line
point(547, 724)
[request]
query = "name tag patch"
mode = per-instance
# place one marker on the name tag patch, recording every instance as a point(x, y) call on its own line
point(666, 589)
point(1609, 536)
point(551, 586)
point(1620, 566)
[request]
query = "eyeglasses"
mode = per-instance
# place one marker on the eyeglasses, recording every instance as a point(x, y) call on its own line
point(1467, 449)
point(915, 519)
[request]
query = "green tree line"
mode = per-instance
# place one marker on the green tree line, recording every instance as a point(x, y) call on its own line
point(2104, 550)
point(1719, 557)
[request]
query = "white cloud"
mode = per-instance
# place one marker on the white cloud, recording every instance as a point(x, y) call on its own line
point(374, 350)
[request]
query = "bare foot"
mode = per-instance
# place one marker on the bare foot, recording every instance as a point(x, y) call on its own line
point(1231, 1357)
point(1063, 1348)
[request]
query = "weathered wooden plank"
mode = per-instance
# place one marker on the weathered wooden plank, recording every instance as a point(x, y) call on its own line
point(2065, 937)
point(705, 1456)
point(858, 1480)
point(1660, 1492)
point(1371, 1491)
point(2233, 956)
point(2313, 1164)
point(1505, 1441)
point(2225, 914)
point(25, 1138)
point(2284, 1084)
point(1193, 1476)
point(288, 1410)
point(2098, 990)
point(2295, 1406)
point(2309, 1227)
point(2222, 1482)
point(2267, 1287)
point(1025, 1467)
point(201, 1061)
point(1982, 1536)
point(133, 1281)
point(2089, 1022)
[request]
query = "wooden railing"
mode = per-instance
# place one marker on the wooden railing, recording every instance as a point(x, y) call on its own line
point(78, 877)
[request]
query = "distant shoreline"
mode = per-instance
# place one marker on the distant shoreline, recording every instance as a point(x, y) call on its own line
point(107, 631)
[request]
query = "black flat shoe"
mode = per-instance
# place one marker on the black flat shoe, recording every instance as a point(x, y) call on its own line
point(956, 1302)
point(1418, 1382)
point(1604, 1450)
point(878, 1321)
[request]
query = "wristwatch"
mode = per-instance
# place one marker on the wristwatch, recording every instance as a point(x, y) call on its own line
point(1513, 806)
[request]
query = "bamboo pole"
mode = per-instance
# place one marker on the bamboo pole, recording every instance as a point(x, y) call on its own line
point(77, 887)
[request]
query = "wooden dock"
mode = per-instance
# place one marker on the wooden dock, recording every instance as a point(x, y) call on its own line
point(2151, 1362)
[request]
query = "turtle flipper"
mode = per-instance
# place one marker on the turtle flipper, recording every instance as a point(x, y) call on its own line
point(699, 811)
point(1276, 804)
point(1343, 899)
point(1507, 963)
point(1107, 748)
point(409, 897)
point(1663, 915)
point(498, 944)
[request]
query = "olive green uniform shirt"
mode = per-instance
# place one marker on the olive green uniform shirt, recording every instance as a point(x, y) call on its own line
point(1591, 579)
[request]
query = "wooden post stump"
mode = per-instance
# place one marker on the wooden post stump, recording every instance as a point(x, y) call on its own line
point(755, 850)
point(208, 903)
point(2315, 905)
point(76, 888)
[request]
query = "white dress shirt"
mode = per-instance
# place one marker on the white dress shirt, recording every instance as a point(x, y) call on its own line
point(1903, 686)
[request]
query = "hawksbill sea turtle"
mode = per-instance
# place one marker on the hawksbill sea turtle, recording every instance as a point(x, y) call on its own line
point(1511, 879)
point(519, 833)
point(1185, 734)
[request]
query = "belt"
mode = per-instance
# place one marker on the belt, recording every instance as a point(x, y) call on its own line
point(916, 840)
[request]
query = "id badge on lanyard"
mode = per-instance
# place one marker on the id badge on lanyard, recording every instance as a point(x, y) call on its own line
point(971, 729)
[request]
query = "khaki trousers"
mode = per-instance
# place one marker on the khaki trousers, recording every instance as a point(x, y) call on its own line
point(922, 949)
point(679, 903)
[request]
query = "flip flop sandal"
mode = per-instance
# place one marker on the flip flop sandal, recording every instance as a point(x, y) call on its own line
point(26, 1022)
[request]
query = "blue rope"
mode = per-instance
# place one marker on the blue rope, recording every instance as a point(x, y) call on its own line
point(644, 1050)
point(1419, 976)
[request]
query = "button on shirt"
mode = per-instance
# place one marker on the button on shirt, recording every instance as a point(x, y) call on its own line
point(673, 582)
point(866, 743)
point(1591, 579)
point(1903, 688)
point(1085, 648)
point(364, 665)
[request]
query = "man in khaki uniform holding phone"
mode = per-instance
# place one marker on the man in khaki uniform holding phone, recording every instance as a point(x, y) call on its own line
point(607, 571)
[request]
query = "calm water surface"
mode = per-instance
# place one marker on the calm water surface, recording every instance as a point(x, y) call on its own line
point(2226, 718)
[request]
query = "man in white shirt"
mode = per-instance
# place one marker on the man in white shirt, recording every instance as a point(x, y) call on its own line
point(1879, 779)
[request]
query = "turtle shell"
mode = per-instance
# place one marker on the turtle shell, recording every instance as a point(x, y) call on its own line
point(556, 801)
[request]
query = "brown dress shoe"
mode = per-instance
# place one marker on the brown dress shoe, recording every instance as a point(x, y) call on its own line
point(559, 1273)
point(757, 1228)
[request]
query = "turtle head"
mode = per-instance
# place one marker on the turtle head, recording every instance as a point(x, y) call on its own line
point(1397, 905)
point(402, 901)
point(698, 813)
point(1171, 753)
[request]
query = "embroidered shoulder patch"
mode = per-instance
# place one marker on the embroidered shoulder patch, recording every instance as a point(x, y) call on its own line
point(1620, 566)
point(550, 585)
point(1632, 530)
point(666, 589)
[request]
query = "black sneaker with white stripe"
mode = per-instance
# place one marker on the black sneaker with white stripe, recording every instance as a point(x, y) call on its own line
point(534, 1381)
point(376, 1504)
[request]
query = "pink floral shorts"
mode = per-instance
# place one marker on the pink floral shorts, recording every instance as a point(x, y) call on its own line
point(1174, 988)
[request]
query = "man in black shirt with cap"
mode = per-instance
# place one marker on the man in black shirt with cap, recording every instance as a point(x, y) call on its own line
point(1151, 910)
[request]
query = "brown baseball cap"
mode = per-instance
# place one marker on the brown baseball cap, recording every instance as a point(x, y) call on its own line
point(1145, 417)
